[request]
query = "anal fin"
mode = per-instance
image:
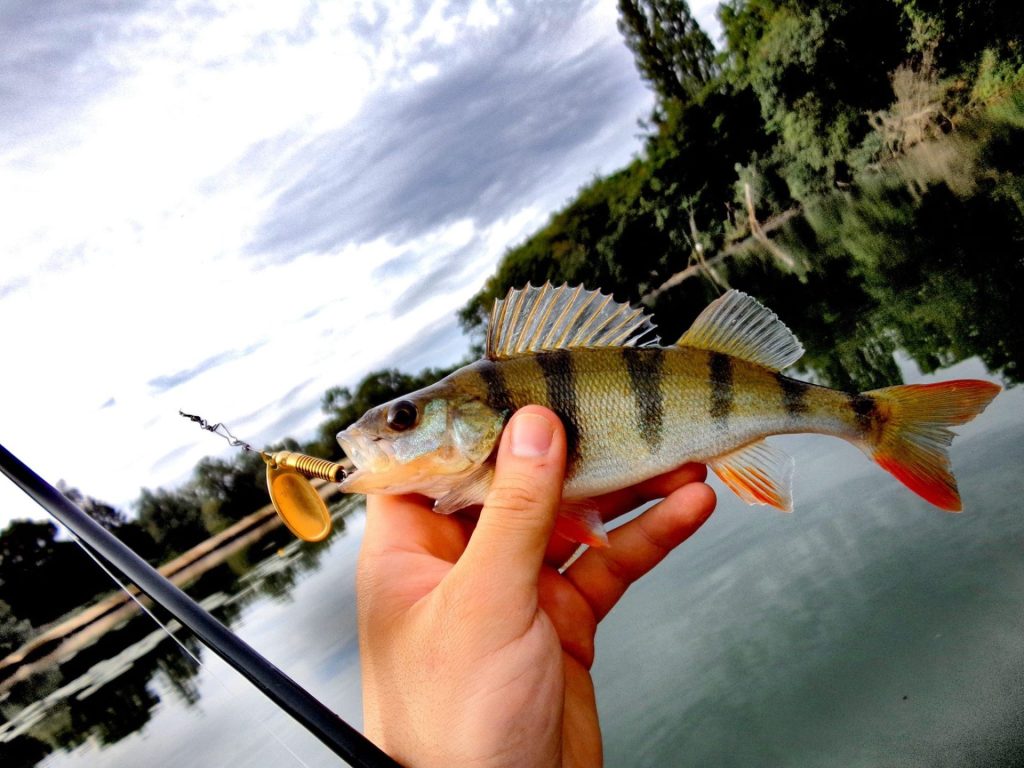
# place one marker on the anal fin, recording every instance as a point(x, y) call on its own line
point(759, 474)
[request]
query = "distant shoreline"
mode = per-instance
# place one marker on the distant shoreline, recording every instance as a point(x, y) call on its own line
point(89, 624)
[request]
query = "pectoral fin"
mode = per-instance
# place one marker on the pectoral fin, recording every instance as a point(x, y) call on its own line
point(470, 491)
point(758, 474)
point(578, 520)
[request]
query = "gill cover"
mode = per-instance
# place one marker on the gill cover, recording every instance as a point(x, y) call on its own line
point(466, 431)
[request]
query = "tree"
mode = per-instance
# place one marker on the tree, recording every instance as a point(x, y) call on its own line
point(13, 631)
point(104, 514)
point(42, 578)
point(230, 490)
point(129, 532)
point(818, 68)
point(173, 518)
point(672, 52)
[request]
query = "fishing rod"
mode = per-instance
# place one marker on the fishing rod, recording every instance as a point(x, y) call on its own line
point(337, 735)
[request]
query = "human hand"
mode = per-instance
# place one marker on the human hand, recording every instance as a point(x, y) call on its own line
point(475, 649)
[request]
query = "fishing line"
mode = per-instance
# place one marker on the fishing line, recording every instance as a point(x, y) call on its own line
point(187, 651)
point(219, 429)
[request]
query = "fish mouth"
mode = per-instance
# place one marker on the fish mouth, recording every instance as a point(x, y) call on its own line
point(368, 453)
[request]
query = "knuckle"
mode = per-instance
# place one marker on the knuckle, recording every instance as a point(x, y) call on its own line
point(620, 572)
point(513, 495)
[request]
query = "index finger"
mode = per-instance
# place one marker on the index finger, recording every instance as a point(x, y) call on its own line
point(409, 524)
point(618, 503)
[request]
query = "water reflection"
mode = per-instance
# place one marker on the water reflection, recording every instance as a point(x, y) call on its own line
point(925, 255)
point(104, 692)
point(866, 629)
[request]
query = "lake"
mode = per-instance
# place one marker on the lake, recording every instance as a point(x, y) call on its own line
point(865, 629)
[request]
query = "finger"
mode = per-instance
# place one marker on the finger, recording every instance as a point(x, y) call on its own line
point(570, 614)
point(617, 503)
point(603, 575)
point(519, 511)
point(408, 523)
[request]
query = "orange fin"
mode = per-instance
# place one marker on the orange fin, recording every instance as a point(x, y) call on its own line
point(580, 520)
point(914, 433)
point(759, 474)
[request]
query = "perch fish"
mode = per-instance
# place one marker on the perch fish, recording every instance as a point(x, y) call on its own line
point(633, 409)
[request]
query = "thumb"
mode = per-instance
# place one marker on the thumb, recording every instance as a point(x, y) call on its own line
point(519, 512)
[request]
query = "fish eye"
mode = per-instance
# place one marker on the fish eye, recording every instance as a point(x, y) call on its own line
point(402, 415)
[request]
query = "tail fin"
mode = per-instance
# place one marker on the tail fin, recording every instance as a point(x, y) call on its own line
point(914, 434)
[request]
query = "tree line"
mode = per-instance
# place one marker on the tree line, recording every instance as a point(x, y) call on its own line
point(167, 522)
point(805, 99)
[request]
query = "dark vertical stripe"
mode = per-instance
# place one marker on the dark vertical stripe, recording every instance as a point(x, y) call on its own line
point(646, 371)
point(561, 385)
point(794, 394)
point(498, 396)
point(720, 372)
point(863, 407)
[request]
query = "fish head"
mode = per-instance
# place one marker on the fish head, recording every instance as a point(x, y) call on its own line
point(420, 443)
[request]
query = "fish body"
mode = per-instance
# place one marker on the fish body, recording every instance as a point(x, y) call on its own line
point(633, 409)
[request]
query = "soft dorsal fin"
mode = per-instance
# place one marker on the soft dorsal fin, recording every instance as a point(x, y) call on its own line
point(547, 318)
point(739, 325)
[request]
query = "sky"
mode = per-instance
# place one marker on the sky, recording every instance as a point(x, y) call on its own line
point(227, 208)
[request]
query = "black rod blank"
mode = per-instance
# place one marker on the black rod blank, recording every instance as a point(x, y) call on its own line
point(311, 713)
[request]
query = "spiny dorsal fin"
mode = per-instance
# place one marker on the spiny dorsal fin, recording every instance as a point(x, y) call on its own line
point(546, 318)
point(739, 325)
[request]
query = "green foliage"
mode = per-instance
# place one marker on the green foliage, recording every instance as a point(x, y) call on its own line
point(797, 105)
point(42, 578)
point(173, 518)
point(961, 30)
point(920, 256)
point(672, 52)
point(997, 77)
point(817, 80)
point(228, 490)
point(13, 631)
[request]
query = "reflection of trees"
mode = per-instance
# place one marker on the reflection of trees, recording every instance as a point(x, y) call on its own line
point(23, 750)
point(116, 710)
point(930, 266)
point(116, 707)
point(180, 670)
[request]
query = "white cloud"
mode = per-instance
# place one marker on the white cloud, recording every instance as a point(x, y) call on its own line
point(129, 224)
